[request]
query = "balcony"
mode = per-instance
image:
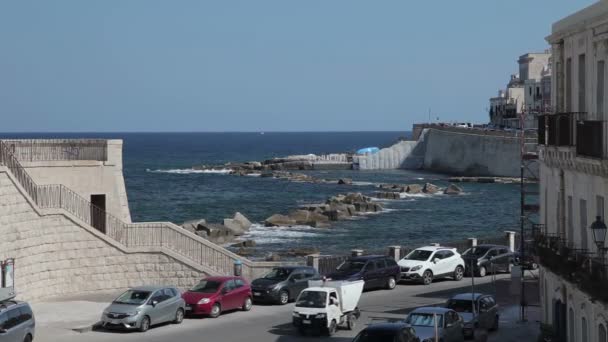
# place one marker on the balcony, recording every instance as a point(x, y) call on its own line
point(577, 266)
point(589, 139)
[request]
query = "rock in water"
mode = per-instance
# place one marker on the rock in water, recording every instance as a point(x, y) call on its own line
point(244, 221)
point(413, 189)
point(345, 181)
point(279, 220)
point(430, 188)
point(194, 225)
point(246, 243)
point(452, 189)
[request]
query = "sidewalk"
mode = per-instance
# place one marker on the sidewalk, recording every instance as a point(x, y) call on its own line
point(511, 330)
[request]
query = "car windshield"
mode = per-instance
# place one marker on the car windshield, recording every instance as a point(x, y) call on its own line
point(476, 251)
point(419, 255)
point(424, 319)
point(207, 286)
point(133, 297)
point(377, 336)
point(460, 305)
point(351, 266)
point(312, 299)
point(278, 274)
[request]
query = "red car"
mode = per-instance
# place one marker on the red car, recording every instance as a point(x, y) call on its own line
point(213, 295)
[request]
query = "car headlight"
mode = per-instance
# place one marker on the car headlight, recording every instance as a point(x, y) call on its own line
point(133, 313)
point(321, 315)
point(416, 268)
point(204, 301)
point(295, 314)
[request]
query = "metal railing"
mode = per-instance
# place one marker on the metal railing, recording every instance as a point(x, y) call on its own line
point(31, 150)
point(589, 139)
point(160, 235)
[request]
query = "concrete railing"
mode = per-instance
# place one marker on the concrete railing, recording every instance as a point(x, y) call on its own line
point(35, 150)
point(164, 235)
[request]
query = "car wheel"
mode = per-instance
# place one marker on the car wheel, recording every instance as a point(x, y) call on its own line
point(391, 283)
point(179, 316)
point(351, 321)
point(28, 338)
point(510, 268)
point(248, 304)
point(144, 325)
point(333, 326)
point(458, 273)
point(427, 277)
point(482, 271)
point(495, 325)
point(216, 310)
point(283, 297)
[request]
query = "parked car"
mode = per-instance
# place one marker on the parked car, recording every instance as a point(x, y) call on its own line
point(449, 324)
point(17, 323)
point(214, 295)
point(387, 332)
point(486, 259)
point(283, 284)
point(141, 307)
point(376, 270)
point(477, 311)
point(427, 263)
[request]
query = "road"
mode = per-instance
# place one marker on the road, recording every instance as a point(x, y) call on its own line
point(270, 323)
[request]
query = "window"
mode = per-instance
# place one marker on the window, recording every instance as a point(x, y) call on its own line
point(391, 262)
point(3, 321)
point(582, 79)
point(568, 85)
point(583, 219)
point(380, 264)
point(571, 325)
point(493, 253)
point(229, 286)
point(447, 254)
point(239, 283)
point(503, 251)
point(601, 333)
point(530, 91)
point(371, 266)
point(570, 221)
point(584, 337)
point(600, 89)
point(537, 91)
point(599, 200)
point(12, 319)
point(296, 276)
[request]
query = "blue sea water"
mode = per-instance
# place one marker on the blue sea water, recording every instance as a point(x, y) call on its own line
point(162, 187)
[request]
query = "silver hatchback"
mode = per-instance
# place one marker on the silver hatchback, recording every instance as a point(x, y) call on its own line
point(17, 322)
point(141, 307)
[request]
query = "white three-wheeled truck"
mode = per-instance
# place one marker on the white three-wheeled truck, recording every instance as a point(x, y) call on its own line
point(325, 305)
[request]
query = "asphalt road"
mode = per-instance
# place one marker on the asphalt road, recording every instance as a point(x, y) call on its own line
point(270, 323)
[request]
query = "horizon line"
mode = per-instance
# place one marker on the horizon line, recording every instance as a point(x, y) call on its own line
point(144, 132)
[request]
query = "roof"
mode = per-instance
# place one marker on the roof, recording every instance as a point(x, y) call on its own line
point(395, 326)
point(432, 309)
point(9, 304)
point(467, 296)
point(367, 257)
point(150, 288)
point(488, 245)
point(320, 289)
point(294, 267)
point(436, 248)
point(578, 20)
point(221, 278)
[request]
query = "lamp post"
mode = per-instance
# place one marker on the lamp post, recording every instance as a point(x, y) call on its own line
point(599, 235)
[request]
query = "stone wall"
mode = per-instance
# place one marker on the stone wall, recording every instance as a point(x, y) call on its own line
point(56, 256)
point(402, 155)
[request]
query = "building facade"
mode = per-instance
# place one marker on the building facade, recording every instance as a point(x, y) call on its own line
point(574, 179)
point(526, 92)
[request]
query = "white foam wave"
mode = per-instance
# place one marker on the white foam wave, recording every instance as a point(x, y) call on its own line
point(190, 171)
point(365, 183)
point(253, 174)
point(262, 234)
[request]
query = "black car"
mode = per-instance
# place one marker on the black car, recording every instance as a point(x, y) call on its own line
point(376, 270)
point(283, 284)
point(387, 332)
point(486, 259)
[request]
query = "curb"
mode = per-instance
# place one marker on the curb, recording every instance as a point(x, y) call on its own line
point(87, 328)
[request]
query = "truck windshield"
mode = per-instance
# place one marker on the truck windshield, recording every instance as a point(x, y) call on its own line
point(419, 255)
point(424, 320)
point(460, 305)
point(312, 299)
point(278, 274)
point(351, 266)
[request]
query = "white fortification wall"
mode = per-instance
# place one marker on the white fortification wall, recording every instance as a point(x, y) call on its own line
point(56, 255)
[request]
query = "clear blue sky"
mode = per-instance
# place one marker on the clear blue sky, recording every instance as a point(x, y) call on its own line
point(258, 65)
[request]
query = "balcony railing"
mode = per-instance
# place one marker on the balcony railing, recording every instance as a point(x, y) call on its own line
point(589, 139)
point(36, 150)
point(578, 266)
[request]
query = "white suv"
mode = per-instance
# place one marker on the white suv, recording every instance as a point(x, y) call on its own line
point(426, 263)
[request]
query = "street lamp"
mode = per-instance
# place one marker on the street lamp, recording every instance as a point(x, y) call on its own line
point(599, 234)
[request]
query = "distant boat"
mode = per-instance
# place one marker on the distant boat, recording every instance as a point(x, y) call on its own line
point(367, 150)
point(261, 133)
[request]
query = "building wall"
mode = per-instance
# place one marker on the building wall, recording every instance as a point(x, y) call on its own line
point(88, 178)
point(56, 256)
point(402, 155)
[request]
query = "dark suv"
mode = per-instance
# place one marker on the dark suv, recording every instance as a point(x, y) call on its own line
point(488, 259)
point(283, 284)
point(16, 322)
point(377, 271)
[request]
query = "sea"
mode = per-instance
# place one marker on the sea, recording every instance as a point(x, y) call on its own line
point(162, 186)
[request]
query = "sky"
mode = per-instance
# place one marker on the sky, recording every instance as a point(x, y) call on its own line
point(263, 65)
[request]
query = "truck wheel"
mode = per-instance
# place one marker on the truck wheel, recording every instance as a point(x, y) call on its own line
point(333, 326)
point(283, 297)
point(391, 283)
point(351, 321)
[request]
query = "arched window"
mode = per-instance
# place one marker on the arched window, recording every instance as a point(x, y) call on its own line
point(601, 333)
point(584, 337)
point(571, 329)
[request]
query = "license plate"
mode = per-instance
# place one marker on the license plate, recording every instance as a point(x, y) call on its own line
point(306, 321)
point(257, 294)
point(188, 308)
point(115, 321)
